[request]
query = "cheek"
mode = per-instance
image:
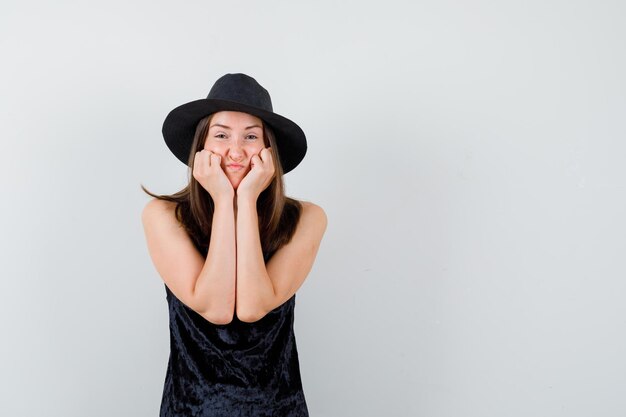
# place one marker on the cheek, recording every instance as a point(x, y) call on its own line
point(255, 149)
point(215, 147)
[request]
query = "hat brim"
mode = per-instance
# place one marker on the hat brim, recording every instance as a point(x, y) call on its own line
point(180, 124)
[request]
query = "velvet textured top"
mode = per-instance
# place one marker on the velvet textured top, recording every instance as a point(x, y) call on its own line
point(237, 369)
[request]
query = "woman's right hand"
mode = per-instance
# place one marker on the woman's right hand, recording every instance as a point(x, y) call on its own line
point(207, 170)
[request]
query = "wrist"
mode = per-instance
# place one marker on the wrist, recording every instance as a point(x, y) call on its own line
point(245, 196)
point(224, 199)
point(245, 201)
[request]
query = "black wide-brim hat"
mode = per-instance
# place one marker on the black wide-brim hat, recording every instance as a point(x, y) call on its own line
point(234, 92)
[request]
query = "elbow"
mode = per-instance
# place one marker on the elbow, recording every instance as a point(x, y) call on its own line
point(218, 317)
point(250, 316)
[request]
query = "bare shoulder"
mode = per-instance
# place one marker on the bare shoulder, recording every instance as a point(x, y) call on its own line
point(160, 215)
point(156, 204)
point(312, 207)
point(159, 210)
point(313, 216)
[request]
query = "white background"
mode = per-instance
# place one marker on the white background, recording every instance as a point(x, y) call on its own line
point(469, 156)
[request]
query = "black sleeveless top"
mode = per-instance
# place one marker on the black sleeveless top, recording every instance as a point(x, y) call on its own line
point(237, 369)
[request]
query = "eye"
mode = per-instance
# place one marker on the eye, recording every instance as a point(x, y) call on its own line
point(220, 135)
point(252, 137)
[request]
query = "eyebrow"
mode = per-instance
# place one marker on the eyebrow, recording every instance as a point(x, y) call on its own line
point(228, 127)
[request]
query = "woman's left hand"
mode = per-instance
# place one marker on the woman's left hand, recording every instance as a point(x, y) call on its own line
point(259, 176)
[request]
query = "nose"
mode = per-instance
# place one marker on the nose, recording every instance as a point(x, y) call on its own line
point(235, 152)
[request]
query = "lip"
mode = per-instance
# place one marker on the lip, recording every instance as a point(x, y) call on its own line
point(234, 166)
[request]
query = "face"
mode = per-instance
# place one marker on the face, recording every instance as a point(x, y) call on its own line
point(236, 136)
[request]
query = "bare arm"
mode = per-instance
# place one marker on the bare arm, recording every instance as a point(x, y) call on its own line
point(263, 287)
point(215, 286)
point(205, 285)
point(254, 287)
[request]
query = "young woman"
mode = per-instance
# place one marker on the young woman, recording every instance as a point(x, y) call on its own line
point(232, 251)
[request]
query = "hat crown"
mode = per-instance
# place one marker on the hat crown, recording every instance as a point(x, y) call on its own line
point(241, 88)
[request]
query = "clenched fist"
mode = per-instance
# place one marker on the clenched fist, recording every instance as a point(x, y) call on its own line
point(207, 170)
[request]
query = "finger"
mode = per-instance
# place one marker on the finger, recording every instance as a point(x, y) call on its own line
point(195, 162)
point(267, 155)
point(199, 159)
point(216, 159)
point(209, 156)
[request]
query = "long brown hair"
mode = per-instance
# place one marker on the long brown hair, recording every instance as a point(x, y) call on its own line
point(278, 214)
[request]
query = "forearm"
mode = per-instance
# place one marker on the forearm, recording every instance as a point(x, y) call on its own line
point(215, 285)
point(254, 287)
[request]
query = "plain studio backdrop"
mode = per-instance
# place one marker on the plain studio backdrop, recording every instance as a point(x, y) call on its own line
point(469, 156)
